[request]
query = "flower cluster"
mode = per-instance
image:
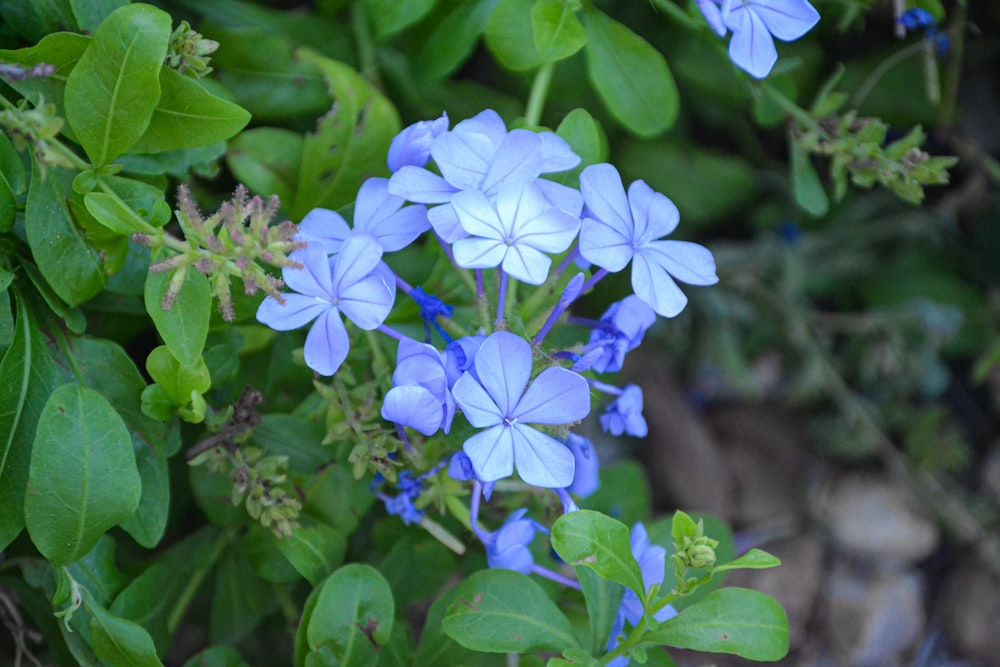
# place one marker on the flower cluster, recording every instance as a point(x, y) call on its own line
point(482, 191)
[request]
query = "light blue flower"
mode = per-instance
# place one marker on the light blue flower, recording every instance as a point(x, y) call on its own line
point(376, 212)
point(625, 324)
point(624, 415)
point(354, 282)
point(586, 479)
point(755, 24)
point(501, 402)
point(619, 228)
point(508, 547)
point(412, 146)
point(514, 233)
point(420, 397)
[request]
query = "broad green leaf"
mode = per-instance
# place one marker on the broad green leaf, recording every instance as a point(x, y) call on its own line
point(436, 647)
point(603, 598)
point(184, 327)
point(808, 189)
point(62, 49)
point(179, 164)
point(217, 656)
point(631, 77)
point(435, 562)
point(147, 600)
point(13, 182)
point(587, 139)
point(502, 611)
point(599, 542)
point(146, 200)
point(399, 651)
point(350, 143)
point(335, 497)
point(389, 17)
point(353, 616)
point(82, 480)
point(119, 642)
point(453, 39)
point(90, 13)
point(755, 559)
point(241, 600)
point(69, 263)
point(114, 88)
point(6, 321)
point(188, 116)
point(113, 214)
point(96, 571)
point(301, 647)
point(32, 20)
point(558, 32)
point(72, 318)
point(266, 160)
point(730, 620)
point(149, 522)
point(510, 36)
point(27, 377)
point(177, 379)
point(314, 551)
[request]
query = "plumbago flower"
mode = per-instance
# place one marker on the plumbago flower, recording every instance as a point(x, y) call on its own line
point(513, 233)
point(420, 397)
point(623, 326)
point(619, 228)
point(507, 547)
point(624, 414)
point(353, 282)
point(480, 154)
point(501, 402)
point(376, 212)
point(754, 24)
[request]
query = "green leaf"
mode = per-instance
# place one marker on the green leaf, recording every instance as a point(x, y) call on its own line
point(452, 39)
point(149, 522)
point(353, 616)
point(389, 17)
point(217, 656)
point(510, 36)
point(82, 480)
point(70, 265)
point(738, 621)
point(584, 135)
point(266, 160)
point(114, 88)
point(110, 212)
point(147, 601)
point(118, 641)
point(241, 601)
point(184, 327)
point(314, 551)
point(90, 13)
point(62, 49)
point(350, 143)
point(603, 598)
point(188, 116)
point(436, 647)
point(631, 77)
point(558, 32)
point(502, 611)
point(755, 559)
point(335, 497)
point(13, 182)
point(599, 542)
point(808, 190)
point(34, 19)
point(27, 377)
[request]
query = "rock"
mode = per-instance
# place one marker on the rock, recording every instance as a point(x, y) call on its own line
point(878, 521)
point(874, 621)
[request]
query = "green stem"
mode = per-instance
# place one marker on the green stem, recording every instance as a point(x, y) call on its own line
point(366, 51)
point(539, 91)
point(865, 88)
point(790, 107)
point(678, 14)
point(196, 579)
point(953, 73)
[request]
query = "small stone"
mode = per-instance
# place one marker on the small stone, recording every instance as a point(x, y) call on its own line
point(874, 621)
point(879, 521)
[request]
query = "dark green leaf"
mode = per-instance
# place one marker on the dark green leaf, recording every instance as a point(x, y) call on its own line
point(118, 641)
point(436, 647)
point(631, 77)
point(184, 327)
point(217, 656)
point(730, 620)
point(603, 598)
point(6, 321)
point(69, 263)
point(62, 49)
point(199, 161)
point(35, 19)
point(502, 611)
point(558, 32)
point(755, 559)
point(146, 526)
point(599, 542)
point(510, 36)
point(97, 571)
point(147, 601)
point(241, 600)
point(353, 616)
point(82, 479)
point(391, 16)
point(452, 39)
point(188, 116)
point(350, 143)
point(808, 190)
point(114, 88)
point(90, 13)
point(27, 377)
point(13, 182)
point(587, 139)
point(334, 496)
point(314, 551)
point(266, 160)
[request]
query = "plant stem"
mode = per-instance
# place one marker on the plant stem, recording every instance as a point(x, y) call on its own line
point(677, 14)
point(196, 579)
point(539, 91)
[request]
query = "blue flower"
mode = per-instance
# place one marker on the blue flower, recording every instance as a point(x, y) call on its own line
point(755, 24)
point(624, 415)
point(586, 479)
point(480, 154)
point(459, 355)
point(501, 402)
point(376, 212)
point(514, 233)
point(412, 146)
point(618, 229)
point(508, 547)
point(353, 282)
point(420, 397)
point(460, 468)
point(625, 322)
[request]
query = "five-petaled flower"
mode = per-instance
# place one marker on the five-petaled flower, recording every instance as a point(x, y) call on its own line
point(499, 400)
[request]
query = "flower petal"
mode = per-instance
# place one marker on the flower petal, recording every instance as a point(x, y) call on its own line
point(526, 264)
point(518, 159)
point(367, 302)
point(487, 122)
point(325, 228)
point(478, 216)
point(463, 158)
point(556, 396)
point(478, 253)
point(492, 453)
point(752, 47)
point(556, 153)
point(688, 262)
point(654, 214)
point(297, 311)
point(445, 222)
point(561, 196)
point(652, 283)
point(415, 407)
point(313, 279)
point(327, 343)
point(604, 195)
point(541, 460)
point(604, 245)
point(503, 364)
point(711, 11)
point(477, 405)
point(358, 257)
point(416, 184)
point(786, 19)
